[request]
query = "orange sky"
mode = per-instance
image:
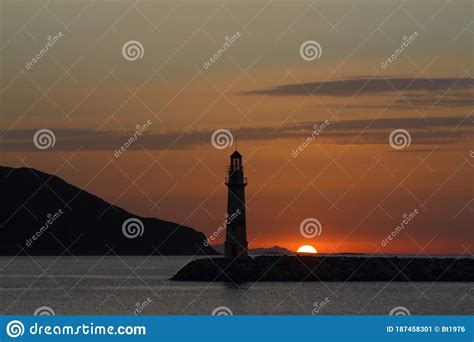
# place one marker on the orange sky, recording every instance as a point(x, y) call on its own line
point(349, 177)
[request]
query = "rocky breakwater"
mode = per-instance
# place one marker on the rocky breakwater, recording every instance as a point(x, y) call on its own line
point(328, 268)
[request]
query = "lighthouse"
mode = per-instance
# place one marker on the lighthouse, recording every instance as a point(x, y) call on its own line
point(236, 232)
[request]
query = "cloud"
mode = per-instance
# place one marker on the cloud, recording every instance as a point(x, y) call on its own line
point(464, 99)
point(439, 131)
point(412, 100)
point(368, 86)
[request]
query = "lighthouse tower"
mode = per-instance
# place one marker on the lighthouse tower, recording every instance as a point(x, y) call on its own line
point(236, 233)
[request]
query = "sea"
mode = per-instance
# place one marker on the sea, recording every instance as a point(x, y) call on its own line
point(140, 285)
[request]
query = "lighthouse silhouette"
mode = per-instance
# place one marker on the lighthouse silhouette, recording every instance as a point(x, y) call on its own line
point(236, 245)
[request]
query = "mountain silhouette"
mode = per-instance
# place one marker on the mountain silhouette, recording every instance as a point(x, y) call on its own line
point(42, 214)
point(275, 250)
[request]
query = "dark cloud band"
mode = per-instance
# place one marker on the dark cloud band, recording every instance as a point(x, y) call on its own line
point(367, 86)
point(434, 130)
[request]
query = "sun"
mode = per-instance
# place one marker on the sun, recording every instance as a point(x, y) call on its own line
point(307, 249)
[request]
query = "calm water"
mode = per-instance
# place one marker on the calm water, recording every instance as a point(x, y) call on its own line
point(118, 285)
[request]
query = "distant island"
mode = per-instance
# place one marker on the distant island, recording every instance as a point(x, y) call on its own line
point(328, 268)
point(43, 215)
point(275, 250)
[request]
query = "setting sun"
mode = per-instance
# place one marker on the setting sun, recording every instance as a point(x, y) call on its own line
point(307, 249)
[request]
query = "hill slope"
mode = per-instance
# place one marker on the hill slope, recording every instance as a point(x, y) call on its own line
point(43, 215)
